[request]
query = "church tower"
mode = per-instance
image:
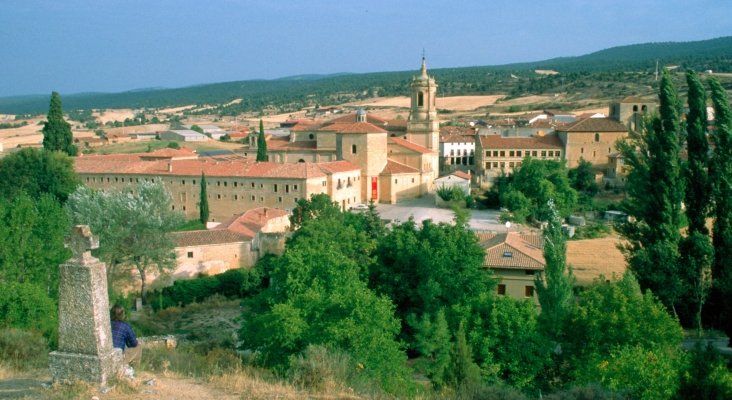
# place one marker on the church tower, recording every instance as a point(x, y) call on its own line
point(423, 127)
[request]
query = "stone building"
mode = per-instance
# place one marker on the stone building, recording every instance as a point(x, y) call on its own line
point(515, 259)
point(631, 110)
point(592, 139)
point(397, 160)
point(236, 243)
point(496, 154)
point(233, 185)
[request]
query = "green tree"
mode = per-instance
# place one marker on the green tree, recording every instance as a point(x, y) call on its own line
point(308, 209)
point(432, 340)
point(554, 285)
point(706, 376)
point(582, 177)
point(720, 172)
point(57, 134)
point(261, 144)
point(196, 128)
point(32, 241)
point(37, 171)
point(655, 192)
point(317, 297)
point(132, 225)
point(538, 181)
point(203, 205)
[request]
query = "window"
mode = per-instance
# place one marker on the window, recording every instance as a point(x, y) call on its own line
point(261, 199)
point(512, 153)
point(218, 183)
point(218, 196)
point(529, 272)
point(287, 188)
point(184, 208)
point(311, 136)
point(502, 153)
point(294, 187)
point(543, 153)
point(412, 180)
point(225, 183)
point(487, 153)
point(194, 181)
point(420, 99)
point(529, 291)
point(501, 289)
point(507, 254)
point(495, 153)
point(236, 184)
point(261, 185)
point(511, 164)
point(518, 153)
point(487, 165)
point(236, 197)
point(582, 150)
point(254, 198)
point(183, 182)
point(353, 149)
point(396, 181)
point(252, 185)
point(275, 187)
point(534, 153)
point(597, 137)
point(190, 254)
point(279, 199)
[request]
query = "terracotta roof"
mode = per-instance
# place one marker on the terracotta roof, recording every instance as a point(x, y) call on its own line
point(133, 165)
point(594, 125)
point(250, 222)
point(333, 167)
point(458, 139)
point(355, 127)
point(285, 144)
point(461, 174)
point(542, 123)
point(206, 237)
point(533, 142)
point(395, 168)
point(512, 250)
point(409, 145)
point(351, 118)
point(456, 130)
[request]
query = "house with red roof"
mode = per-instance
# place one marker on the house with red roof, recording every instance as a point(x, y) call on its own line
point(515, 259)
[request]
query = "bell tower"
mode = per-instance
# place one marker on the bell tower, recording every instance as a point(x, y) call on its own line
point(423, 126)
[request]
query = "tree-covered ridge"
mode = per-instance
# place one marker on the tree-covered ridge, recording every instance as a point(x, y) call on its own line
point(608, 67)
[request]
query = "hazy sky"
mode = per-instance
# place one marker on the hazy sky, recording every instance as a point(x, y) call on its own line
point(76, 46)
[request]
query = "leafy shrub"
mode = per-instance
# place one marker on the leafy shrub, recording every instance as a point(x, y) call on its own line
point(592, 231)
point(26, 306)
point(320, 369)
point(22, 349)
point(232, 283)
point(706, 376)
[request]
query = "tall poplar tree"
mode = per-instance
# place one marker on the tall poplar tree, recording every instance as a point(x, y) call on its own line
point(696, 249)
point(554, 286)
point(203, 204)
point(720, 176)
point(655, 193)
point(261, 143)
point(56, 131)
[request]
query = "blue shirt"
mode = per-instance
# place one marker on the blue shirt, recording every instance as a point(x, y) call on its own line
point(122, 335)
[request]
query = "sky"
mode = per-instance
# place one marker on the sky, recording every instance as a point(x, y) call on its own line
point(75, 46)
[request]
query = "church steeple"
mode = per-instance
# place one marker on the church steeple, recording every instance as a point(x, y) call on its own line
point(423, 126)
point(423, 71)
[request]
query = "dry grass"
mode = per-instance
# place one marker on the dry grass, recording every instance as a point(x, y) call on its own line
point(114, 115)
point(546, 72)
point(592, 258)
point(455, 103)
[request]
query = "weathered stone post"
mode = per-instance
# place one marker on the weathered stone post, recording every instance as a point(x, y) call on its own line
point(85, 349)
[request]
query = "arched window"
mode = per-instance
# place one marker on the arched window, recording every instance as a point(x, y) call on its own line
point(301, 160)
point(311, 136)
point(635, 108)
point(420, 99)
point(597, 137)
point(644, 108)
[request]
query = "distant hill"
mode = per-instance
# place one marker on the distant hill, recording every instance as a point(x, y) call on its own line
point(296, 92)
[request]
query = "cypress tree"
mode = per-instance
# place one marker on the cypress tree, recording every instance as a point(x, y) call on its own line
point(696, 249)
point(720, 173)
point(56, 131)
point(261, 144)
point(655, 193)
point(203, 205)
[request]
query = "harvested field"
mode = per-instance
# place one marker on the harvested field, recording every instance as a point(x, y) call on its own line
point(594, 257)
point(457, 103)
point(114, 115)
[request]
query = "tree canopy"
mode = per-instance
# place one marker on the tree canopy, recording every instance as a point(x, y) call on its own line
point(37, 171)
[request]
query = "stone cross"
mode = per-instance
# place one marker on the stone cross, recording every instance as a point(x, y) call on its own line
point(80, 241)
point(84, 334)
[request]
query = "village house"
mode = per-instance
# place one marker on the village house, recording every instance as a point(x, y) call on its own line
point(591, 139)
point(515, 259)
point(236, 243)
point(457, 149)
point(496, 154)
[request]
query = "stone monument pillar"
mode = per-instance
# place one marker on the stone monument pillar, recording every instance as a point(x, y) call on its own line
point(85, 349)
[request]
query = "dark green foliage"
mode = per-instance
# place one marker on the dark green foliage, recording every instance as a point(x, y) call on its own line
point(532, 185)
point(234, 283)
point(57, 134)
point(463, 370)
point(203, 204)
point(720, 172)
point(590, 392)
point(261, 144)
point(706, 376)
point(36, 171)
point(448, 193)
point(432, 341)
point(698, 198)
point(32, 241)
point(317, 296)
point(27, 306)
point(173, 145)
point(582, 178)
point(309, 209)
point(554, 285)
point(196, 128)
point(655, 191)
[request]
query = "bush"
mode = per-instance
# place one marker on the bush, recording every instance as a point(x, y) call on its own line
point(26, 306)
point(321, 369)
point(23, 350)
point(232, 283)
point(448, 193)
point(706, 376)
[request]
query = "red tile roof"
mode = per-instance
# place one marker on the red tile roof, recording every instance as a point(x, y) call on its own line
point(251, 222)
point(355, 127)
point(594, 125)
point(285, 144)
point(461, 174)
point(534, 142)
point(333, 167)
point(512, 251)
point(409, 145)
point(395, 168)
point(206, 237)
